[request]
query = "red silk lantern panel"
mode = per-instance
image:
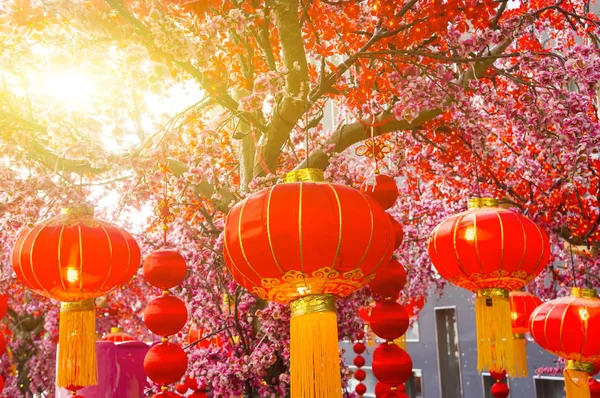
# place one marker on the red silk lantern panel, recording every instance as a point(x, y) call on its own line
point(306, 238)
point(165, 315)
point(567, 326)
point(391, 364)
point(488, 247)
point(389, 320)
point(359, 361)
point(360, 375)
point(359, 348)
point(181, 388)
point(198, 394)
point(165, 363)
point(1, 383)
point(360, 389)
point(381, 389)
point(389, 280)
point(75, 256)
point(384, 190)
point(195, 334)
point(165, 269)
point(2, 344)
point(398, 232)
point(117, 335)
point(500, 390)
point(3, 305)
point(192, 383)
point(522, 305)
point(594, 386)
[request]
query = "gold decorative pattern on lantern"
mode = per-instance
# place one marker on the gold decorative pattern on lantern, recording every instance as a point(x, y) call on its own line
point(304, 175)
point(480, 203)
point(326, 280)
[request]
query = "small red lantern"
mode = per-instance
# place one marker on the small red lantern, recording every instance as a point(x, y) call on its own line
point(490, 251)
point(360, 389)
point(74, 258)
point(389, 280)
point(359, 348)
point(306, 243)
point(117, 335)
point(165, 363)
point(594, 386)
point(165, 269)
point(3, 305)
point(567, 328)
point(382, 188)
point(522, 305)
point(389, 320)
point(414, 305)
point(398, 232)
point(165, 315)
point(360, 375)
point(391, 364)
point(359, 361)
point(181, 388)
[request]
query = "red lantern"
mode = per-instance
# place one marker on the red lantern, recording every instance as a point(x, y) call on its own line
point(75, 258)
point(165, 315)
point(359, 361)
point(490, 251)
point(1, 383)
point(391, 364)
point(181, 388)
point(567, 328)
point(165, 269)
point(594, 386)
point(383, 189)
point(389, 280)
point(389, 320)
point(165, 363)
point(359, 348)
point(360, 375)
point(3, 305)
point(414, 305)
point(364, 314)
point(198, 394)
point(2, 344)
point(195, 334)
point(192, 383)
point(522, 305)
point(117, 335)
point(398, 232)
point(360, 389)
point(306, 243)
point(394, 394)
point(381, 389)
point(166, 394)
point(500, 390)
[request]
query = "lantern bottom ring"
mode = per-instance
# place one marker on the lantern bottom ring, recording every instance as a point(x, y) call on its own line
point(313, 303)
point(586, 367)
point(493, 292)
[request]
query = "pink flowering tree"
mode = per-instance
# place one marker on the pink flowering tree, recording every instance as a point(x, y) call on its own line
point(122, 103)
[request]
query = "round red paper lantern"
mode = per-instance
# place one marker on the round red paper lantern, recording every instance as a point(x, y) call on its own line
point(359, 361)
point(359, 348)
point(488, 247)
point(389, 280)
point(360, 375)
point(165, 269)
point(364, 314)
point(398, 232)
point(381, 389)
point(384, 191)
point(305, 238)
point(360, 389)
point(391, 364)
point(500, 390)
point(414, 305)
point(198, 394)
point(117, 335)
point(498, 376)
point(389, 320)
point(74, 256)
point(165, 315)
point(165, 363)
point(181, 388)
point(191, 383)
point(594, 386)
point(522, 305)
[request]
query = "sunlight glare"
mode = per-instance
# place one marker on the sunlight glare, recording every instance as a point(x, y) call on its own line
point(69, 86)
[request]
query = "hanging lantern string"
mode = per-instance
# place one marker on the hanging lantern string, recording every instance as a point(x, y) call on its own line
point(373, 141)
point(573, 266)
point(162, 210)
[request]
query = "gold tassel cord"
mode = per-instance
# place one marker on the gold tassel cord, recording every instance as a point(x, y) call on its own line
point(314, 353)
point(77, 345)
point(494, 333)
point(520, 350)
point(401, 342)
point(577, 378)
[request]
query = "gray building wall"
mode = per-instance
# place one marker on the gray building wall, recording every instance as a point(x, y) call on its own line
point(425, 355)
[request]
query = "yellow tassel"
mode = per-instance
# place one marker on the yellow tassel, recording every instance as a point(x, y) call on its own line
point(314, 352)
point(577, 378)
point(494, 333)
point(371, 338)
point(401, 342)
point(76, 364)
point(520, 349)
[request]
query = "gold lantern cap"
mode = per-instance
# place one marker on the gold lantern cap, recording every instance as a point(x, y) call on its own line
point(586, 367)
point(116, 329)
point(479, 203)
point(304, 175)
point(82, 209)
point(583, 292)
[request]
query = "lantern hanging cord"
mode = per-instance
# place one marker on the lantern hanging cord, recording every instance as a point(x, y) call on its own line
point(573, 265)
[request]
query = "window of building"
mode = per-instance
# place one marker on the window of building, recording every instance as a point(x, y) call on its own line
point(412, 334)
point(414, 385)
point(549, 387)
point(488, 382)
point(448, 350)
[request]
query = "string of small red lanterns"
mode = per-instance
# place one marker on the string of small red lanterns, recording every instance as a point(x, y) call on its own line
point(389, 320)
point(359, 362)
point(166, 362)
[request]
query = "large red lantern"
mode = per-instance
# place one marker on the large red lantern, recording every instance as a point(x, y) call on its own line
point(568, 327)
point(75, 258)
point(490, 251)
point(522, 305)
point(305, 243)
